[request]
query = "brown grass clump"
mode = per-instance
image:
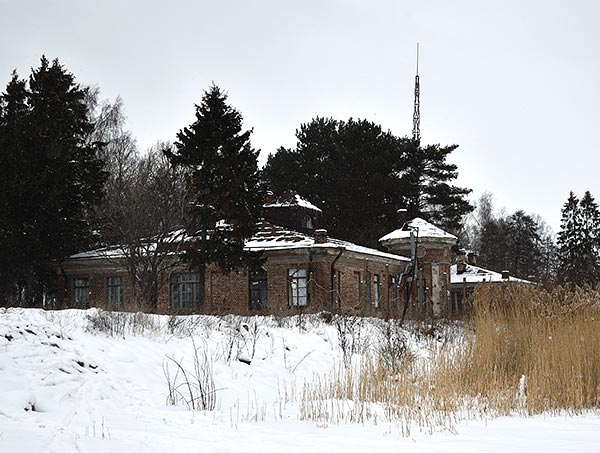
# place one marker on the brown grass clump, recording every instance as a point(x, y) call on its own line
point(525, 350)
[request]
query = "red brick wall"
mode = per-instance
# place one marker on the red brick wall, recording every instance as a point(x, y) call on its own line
point(229, 292)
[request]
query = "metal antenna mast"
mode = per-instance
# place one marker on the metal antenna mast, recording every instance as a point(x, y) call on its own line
point(416, 132)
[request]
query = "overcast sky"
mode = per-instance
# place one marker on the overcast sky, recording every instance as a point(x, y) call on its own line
point(516, 84)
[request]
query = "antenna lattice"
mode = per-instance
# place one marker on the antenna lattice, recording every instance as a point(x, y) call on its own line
point(416, 132)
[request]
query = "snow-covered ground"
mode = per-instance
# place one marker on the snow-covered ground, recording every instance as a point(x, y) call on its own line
point(65, 387)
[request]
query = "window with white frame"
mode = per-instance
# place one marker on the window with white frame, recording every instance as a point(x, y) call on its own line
point(114, 292)
point(376, 291)
point(82, 292)
point(297, 287)
point(185, 291)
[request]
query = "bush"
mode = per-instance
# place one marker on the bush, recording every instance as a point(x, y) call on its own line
point(115, 323)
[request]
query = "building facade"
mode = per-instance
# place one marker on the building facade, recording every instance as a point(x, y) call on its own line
point(304, 270)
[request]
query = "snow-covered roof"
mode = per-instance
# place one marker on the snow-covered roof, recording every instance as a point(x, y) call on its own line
point(148, 245)
point(424, 228)
point(268, 237)
point(476, 274)
point(106, 252)
point(296, 200)
point(274, 237)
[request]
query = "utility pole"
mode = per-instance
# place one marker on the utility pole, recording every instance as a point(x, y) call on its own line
point(416, 132)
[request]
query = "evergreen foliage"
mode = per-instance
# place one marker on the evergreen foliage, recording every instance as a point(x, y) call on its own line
point(52, 179)
point(519, 243)
point(579, 241)
point(349, 170)
point(360, 176)
point(493, 244)
point(223, 184)
point(426, 177)
point(524, 248)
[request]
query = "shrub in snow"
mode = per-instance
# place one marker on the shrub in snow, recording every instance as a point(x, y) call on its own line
point(195, 387)
point(118, 324)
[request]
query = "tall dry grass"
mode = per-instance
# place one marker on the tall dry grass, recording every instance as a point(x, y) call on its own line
point(550, 338)
point(524, 350)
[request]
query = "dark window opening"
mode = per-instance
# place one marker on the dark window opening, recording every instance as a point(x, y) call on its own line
point(185, 291)
point(259, 290)
point(82, 292)
point(368, 289)
point(307, 222)
point(114, 288)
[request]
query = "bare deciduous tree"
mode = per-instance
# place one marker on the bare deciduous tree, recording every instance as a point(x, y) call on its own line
point(144, 219)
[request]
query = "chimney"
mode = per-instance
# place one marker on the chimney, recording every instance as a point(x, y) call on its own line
point(472, 258)
point(320, 236)
point(461, 262)
point(505, 275)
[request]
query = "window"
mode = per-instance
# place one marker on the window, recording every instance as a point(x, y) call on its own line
point(114, 288)
point(82, 292)
point(358, 287)
point(185, 291)
point(307, 222)
point(394, 293)
point(376, 295)
point(298, 294)
point(368, 289)
point(339, 288)
point(258, 289)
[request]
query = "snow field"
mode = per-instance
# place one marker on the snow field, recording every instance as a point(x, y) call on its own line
point(65, 387)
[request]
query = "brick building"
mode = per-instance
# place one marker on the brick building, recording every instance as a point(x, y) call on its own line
point(466, 275)
point(431, 249)
point(304, 271)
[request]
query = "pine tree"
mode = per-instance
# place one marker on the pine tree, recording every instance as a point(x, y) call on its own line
point(570, 242)
point(348, 169)
point(427, 178)
point(223, 182)
point(360, 176)
point(53, 177)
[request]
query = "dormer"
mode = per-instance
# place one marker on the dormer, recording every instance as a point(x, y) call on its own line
point(290, 210)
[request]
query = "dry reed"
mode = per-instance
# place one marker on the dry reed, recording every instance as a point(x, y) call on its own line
point(525, 350)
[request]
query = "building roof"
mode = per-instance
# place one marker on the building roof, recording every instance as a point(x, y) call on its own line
point(476, 274)
point(291, 199)
point(424, 228)
point(274, 237)
point(268, 237)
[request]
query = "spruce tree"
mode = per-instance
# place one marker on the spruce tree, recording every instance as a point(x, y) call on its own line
point(223, 182)
point(13, 187)
point(590, 233)
point(524, 251)
point(53, 177)
point(570, 242)
point(493, 244)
